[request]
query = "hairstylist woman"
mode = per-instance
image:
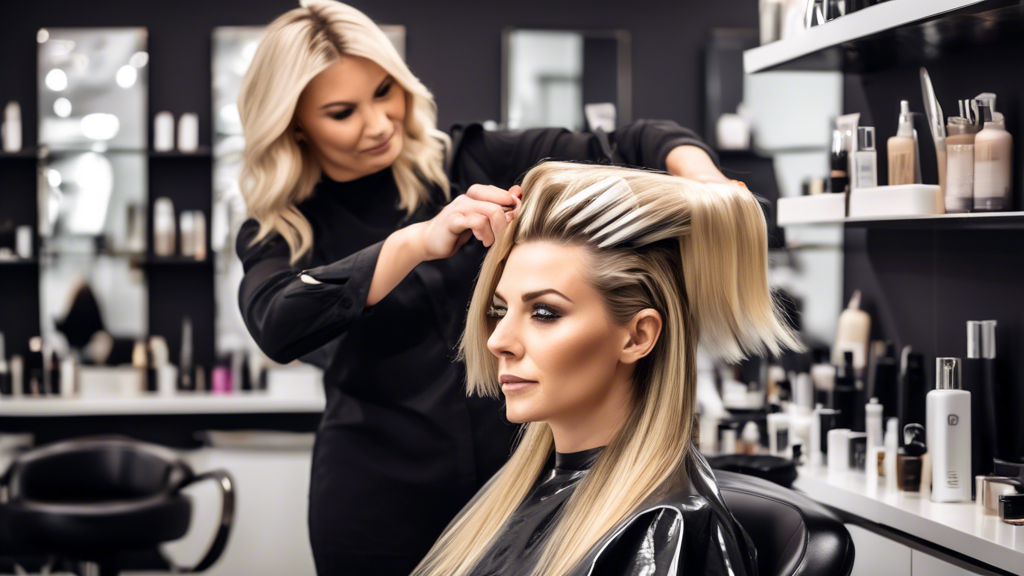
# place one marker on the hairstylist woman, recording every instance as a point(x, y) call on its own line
point(359, 258)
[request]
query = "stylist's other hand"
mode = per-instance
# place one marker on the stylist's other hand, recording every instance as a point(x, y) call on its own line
point(694, 163)
point(477, 213)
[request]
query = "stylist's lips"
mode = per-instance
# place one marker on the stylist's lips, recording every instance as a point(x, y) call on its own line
point(512, 383)
point(383, 147)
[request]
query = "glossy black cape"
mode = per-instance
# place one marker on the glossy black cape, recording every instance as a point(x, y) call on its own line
point(687, 530)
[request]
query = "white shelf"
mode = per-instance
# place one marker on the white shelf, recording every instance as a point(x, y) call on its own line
point(203, 403)
point(965, 220)
point(960, 526)
point(858, 25)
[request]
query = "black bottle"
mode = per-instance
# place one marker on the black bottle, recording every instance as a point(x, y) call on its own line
point(912, 389)
point(33, 383)
point(884, 382)
point(838, 178)
point(844, 396)
point(979, 378)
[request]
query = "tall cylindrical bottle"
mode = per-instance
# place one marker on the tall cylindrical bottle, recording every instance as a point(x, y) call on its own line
point(948, 430)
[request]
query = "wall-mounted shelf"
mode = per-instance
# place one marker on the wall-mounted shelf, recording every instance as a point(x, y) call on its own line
point(959, 526)
point(890, 33)
point(201, 152)
point(23, 154)
point(968, 221)
point(198, 403)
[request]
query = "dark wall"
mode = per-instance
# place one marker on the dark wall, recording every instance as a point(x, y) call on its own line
point(454, 46)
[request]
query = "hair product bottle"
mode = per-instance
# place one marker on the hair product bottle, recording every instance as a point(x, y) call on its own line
point(948, 428)
point(12, 127)
point(902, 149)
point(865, 159)
point(909, 458)
point(163, 227)
point(979, 378)
point(959, 165)
point(854, 328)
point(838, 178)
point(993, 162)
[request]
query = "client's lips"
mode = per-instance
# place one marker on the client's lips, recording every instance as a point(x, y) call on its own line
point(512, 383)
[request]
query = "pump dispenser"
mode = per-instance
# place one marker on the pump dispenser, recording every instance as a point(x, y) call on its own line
point(948, 415)
point(902, 150)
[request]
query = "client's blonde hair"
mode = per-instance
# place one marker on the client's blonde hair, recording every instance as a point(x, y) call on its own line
point(696, 253)
point(277, 174)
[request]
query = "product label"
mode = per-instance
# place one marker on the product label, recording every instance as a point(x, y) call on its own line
point(952, 480)
point(953, 419)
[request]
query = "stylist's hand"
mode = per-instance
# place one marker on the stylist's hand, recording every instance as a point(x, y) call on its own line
point(477, 213)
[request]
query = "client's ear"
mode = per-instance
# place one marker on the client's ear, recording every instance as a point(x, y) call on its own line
point(644, 330)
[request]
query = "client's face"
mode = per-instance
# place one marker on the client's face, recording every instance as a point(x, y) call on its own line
point(549, 327)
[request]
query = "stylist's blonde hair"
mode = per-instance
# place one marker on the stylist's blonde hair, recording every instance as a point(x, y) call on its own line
point(277, 174)
point(696, 253)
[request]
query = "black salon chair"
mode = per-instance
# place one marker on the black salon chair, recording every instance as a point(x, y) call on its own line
point(794, 535)
point(101, 505)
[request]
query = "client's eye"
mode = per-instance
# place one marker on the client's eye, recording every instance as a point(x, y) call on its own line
point(549, 314)
point(542, 312)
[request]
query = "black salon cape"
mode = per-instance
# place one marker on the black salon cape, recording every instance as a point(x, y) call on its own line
point(400, 448)
point(686, 529)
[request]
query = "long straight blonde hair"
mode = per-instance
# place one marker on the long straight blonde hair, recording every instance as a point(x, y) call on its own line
point(696, 253)
point(277, 174)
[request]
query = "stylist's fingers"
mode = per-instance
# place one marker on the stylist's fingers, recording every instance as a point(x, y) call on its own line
point(489, 193)
point(492, 213)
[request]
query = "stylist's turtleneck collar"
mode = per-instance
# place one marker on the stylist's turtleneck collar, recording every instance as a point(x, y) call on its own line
point(369, 182)
point(577, 461)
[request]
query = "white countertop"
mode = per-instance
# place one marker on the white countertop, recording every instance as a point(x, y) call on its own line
point(204, 403)
point(959, 526)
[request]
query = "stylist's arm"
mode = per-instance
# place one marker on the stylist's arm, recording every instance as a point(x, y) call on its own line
point(441, 236)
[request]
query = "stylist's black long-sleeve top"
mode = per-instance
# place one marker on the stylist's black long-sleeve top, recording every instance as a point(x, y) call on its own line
point(401, 448)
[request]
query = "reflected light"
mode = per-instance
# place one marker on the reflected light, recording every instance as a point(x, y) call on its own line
point(43, 35)
point(229, 114)
point(79, 62)
point(249, 51)
point(100, 126)
point(94, 177)
point(56, 80)
point(127, 76)
point(62, 107)
point(139, 59)
point(53, 178)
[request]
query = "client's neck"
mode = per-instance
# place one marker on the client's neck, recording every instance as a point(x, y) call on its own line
point(591, 426)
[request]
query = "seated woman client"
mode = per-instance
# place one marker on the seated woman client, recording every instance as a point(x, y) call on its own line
point(587, 315)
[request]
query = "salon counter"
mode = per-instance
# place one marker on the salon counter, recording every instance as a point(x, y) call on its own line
point(961, 527)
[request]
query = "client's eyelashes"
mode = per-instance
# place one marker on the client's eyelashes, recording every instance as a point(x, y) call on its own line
point(549, 314)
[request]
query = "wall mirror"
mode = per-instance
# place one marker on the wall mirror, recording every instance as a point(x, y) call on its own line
point(570, 78)
point(92, 191)
point(233, 50)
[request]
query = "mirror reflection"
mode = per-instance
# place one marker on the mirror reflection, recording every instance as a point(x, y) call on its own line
point(93, 203)
point(93, 308)
point(571, 78)
point(93, 88)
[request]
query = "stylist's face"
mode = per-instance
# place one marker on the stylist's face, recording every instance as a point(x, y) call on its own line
point(351, 117)
point(549, 327)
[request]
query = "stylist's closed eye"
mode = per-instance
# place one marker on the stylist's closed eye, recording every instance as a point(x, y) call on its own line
point(382, 92)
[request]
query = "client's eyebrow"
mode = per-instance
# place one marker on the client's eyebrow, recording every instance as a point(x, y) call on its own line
point(533, 295)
